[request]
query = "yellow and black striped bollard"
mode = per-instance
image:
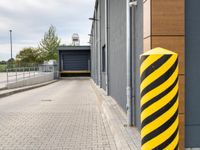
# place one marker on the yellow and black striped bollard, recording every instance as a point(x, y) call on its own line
point(159, 100)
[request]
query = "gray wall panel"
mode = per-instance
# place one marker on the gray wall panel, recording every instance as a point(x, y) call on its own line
point(96, 47)
point(102, 30)
point(137, 51)
point(117, 51)
point(192, 73)
point(192, 136)
point(93, 53)
point(102, 21)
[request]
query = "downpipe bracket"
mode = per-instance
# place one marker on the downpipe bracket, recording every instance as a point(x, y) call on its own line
point(133, 3)
point(128, 95)
point(128, 106)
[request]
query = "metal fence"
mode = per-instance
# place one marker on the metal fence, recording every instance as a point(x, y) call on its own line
point(18, 74)
point(23, 73)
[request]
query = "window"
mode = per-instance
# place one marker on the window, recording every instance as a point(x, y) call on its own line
point(104, 58)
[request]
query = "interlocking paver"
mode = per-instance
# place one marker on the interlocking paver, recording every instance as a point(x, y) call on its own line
point(70, 119)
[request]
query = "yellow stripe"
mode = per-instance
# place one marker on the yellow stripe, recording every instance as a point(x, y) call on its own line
point(162, 137)
point(149, 61)
point(159, 121)
point(173, 144)
point(158, 73)
point(160, 88)
point(66, 72)
point(159, 104)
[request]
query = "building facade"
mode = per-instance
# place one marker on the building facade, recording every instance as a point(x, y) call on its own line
point(143, 25)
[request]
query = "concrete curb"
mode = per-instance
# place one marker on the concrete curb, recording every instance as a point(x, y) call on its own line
point(5, 93)
point(2, 88)
point(125, 137)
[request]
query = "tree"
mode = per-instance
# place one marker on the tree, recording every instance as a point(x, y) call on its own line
point(49, 44)
point(11, 63)
point(28, 56)
point(3, 62)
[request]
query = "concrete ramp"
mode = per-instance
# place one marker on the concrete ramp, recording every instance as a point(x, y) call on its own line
point(32, 81)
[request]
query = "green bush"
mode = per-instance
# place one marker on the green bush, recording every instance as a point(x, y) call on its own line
point(2, 68)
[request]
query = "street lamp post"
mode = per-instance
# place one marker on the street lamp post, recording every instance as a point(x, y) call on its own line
point(11, 43)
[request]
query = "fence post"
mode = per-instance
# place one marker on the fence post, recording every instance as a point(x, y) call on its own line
point(29, 72)
point(159, 99)
point(16, 73)
point(34, 70)
point(7, 75)
point(23, 73)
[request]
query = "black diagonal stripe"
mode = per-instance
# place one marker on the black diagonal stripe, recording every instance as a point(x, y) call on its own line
point(176, 147)
point(160, 112)
point(155, 99)
point(160, 80)
point(168, 141)
point(154, 66)
point(143, 58)
point(161, 129)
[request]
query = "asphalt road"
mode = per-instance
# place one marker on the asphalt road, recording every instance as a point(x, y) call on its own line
point(63, 115)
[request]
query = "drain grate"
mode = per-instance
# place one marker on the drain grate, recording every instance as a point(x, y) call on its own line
point(125, 125)
point(46, 100)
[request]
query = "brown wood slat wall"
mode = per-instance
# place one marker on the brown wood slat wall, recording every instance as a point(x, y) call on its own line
point(164, 27)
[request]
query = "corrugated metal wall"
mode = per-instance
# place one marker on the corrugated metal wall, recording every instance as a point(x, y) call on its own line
point(117, 51)
point(192, 73)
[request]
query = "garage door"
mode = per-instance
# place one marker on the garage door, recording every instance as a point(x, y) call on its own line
point(76, 61)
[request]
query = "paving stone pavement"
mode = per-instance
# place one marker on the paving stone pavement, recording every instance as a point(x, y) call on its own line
point(64, 115)
point(126, 138)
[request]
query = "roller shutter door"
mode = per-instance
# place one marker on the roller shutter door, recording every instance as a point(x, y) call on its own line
point(76, 60)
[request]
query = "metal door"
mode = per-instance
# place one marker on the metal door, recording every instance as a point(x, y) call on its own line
point(76, 61)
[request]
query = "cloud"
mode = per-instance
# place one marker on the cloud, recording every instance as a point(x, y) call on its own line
point(29, 19)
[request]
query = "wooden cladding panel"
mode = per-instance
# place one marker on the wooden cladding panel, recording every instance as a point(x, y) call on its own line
point(147, 44)
point(181, 132)
point(173, 43)
point(181, 94)
point(167, 17)
point(147, 18)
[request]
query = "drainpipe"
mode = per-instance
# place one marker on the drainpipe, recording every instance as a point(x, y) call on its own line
point(106, 46)
point(128, 61)
point(128, 65)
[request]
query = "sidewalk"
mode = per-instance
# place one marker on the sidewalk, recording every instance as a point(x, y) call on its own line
point(7, 92)
point(126, 138)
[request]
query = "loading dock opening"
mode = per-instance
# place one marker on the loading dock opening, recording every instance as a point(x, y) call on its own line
point(74, 61)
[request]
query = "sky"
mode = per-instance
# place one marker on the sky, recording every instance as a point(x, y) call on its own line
point(30, 19)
